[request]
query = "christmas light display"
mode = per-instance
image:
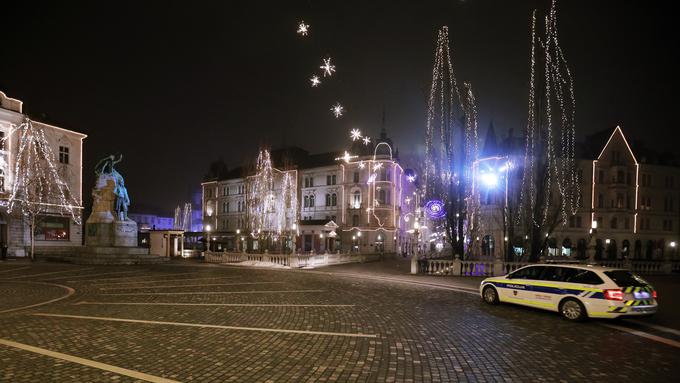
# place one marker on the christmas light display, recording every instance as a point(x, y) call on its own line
point(355, 134)
point(303, 29)
point(328, 68)
point(315, 81)
point(367, 140)
point(435, 209)
point(37, 188)
point(553, 141)
point(337, 110)
point(272, 202)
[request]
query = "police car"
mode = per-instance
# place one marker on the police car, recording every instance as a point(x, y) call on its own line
point(575, 291)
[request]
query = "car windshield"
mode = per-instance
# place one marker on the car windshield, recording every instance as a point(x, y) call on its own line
point(625, 278)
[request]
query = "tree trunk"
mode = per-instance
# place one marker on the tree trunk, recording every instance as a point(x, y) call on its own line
point(32, 233)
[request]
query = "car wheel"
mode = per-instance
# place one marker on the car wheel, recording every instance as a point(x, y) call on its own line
point(490, 295)
point(573, 310)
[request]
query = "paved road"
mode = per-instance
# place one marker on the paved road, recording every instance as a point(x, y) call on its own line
point(210, 323)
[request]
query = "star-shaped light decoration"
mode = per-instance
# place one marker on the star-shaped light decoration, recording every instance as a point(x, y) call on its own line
point(367, 140)
point(327, 67)
point(303, 28)
point(315, 81)
point(362, 165)
point(347, 156)
point(411, 178)
point(378, 166)
point(337, 110)
point(355, 134)
point(371, 178)
point(408, 201)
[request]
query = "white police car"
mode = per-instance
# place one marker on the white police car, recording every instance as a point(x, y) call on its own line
point(575, 291)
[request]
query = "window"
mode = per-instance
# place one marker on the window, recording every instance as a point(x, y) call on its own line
point(2, 140)
point(334, 179)
point(306, 204)
point(311, 200)
point(355, 220)
point(330, 179)
point(624, 278)
point(580, 276)
point(626, 223)
point(600, 201)
point(333, 218)
point(63, 155)
point(619, 176)
point(49, 228)
point(619, 200)
point(572, 221)
point(614, 223)
point(2, 180)
point(328, 199)
point(381, 196)
point(334, 199)
point(356, 177)
point(356, 200)
point(600, 176)
point(227, 208)
point(628, 178)
point(578, 221)
point(531, 272)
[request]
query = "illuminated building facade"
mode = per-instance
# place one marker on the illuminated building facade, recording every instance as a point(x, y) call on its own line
point(631, 199)
point(52, 230)
point(344, 202)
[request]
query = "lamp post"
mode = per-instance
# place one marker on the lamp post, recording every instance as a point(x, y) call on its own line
point(593, 235)
point(207, 229)
point(490, 180)
point(238, 238)
point(673, 249)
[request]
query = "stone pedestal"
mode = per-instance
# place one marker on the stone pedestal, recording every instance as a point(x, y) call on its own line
point(111, 234)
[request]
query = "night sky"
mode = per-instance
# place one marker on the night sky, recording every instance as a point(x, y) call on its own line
point(175, 85)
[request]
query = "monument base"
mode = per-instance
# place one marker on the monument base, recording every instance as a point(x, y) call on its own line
point(111, 234)
point(100, 255)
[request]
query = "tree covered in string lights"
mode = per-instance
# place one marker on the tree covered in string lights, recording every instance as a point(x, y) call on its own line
point(271, 203)
point(550, 187)
point(450, 146)
point(37, 189)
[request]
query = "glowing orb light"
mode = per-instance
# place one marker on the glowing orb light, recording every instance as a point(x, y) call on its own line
point(490, 180)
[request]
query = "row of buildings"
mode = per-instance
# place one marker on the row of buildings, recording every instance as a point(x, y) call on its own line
point(365, 201)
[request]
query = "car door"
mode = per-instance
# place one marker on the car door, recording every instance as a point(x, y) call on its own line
point(519, 284)
point(548, 290)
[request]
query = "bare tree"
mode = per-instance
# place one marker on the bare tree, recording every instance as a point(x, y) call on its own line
point(37, 189)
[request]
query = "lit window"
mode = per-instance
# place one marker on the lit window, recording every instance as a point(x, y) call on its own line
point(63, 155)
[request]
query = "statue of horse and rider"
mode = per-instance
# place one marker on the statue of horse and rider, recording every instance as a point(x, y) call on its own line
point(105, 166)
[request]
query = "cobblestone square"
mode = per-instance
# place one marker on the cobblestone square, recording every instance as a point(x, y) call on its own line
point(194, 322)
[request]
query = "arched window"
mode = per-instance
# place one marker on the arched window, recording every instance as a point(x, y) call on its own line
point(306, 204)
point(311, 200)
point(328, 199)
point(487, 245)
point(334, 199)
point(625, 249)
point(355, 220)
point(356, 201)
point(612, 250)
point(381, 196)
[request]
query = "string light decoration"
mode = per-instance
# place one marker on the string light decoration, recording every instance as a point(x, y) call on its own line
point(303, 29)
point(328, 68)
point(550, 147)
point(272, 202)
point(37, 188)
point(315, 81)
point(445, 176)
point(367, 140)
point(337, 110)
point(355, 134)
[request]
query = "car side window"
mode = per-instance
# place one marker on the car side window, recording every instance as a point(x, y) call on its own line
point(554, 274)
point(532, 272)
point(585, 277)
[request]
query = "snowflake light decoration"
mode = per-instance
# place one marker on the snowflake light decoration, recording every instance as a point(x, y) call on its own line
point(337, 110)
point(411, 178)
point(315, 81)
point(355, 134)
point(328, 68)
point(367, 140)
point(303, 29)
point(377, 166)
point(362, 165)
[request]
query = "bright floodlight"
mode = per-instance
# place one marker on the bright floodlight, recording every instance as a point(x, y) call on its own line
point(490, 180)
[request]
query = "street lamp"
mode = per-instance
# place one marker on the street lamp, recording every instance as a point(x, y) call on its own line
point(207, 229)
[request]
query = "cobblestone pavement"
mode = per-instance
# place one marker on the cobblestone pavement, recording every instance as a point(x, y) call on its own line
point(210, 323)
